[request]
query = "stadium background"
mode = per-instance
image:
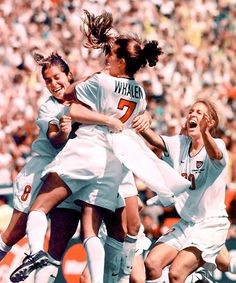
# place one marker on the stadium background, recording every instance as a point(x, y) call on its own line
point(199, 41)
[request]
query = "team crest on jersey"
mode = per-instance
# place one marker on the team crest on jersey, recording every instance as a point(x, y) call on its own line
point(199, 164)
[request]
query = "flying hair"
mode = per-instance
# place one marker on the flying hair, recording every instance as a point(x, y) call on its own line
point(97, 30)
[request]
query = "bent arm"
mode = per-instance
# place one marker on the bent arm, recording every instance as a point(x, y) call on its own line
point(153, 138)
point(56, 137)
point(211, 147)
point(81, 113)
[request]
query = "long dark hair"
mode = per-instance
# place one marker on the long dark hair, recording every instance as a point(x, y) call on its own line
point(97, 30)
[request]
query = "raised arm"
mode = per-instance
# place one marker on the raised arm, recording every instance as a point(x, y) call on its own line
point(211, 147)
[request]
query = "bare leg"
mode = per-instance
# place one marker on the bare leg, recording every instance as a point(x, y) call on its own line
point(138, 271)
point(63, 226)
point(223, 260)
point(16, 228)
point(64, 223)
point(132, 215)
point(52, 193)
point(187, 261)
point(159, 257)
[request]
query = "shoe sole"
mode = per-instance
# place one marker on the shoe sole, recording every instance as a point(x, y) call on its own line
point(21, 273)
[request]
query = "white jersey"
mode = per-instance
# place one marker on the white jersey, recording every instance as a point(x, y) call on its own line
point(28, 181)
point(117, 97)
point(208, 177)
point(88, 160)
point(50, 112)
point(125, 99)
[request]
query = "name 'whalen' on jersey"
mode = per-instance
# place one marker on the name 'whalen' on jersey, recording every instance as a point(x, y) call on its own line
point(127, 89)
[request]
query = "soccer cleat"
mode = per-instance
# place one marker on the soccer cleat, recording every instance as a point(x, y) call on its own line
point(206, 276)
point(200, 276)
point(30, 263)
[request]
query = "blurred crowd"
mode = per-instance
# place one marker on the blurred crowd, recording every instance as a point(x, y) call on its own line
point(198, 38)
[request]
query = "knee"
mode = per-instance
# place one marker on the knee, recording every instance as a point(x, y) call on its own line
point(223, 260)
point(133, 227)
point(222, 265)
point(174, 274)
point(152, 268)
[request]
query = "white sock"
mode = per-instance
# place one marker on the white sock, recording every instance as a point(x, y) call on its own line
point(232, 265)
point(4, 249)
point(128, 254)
point(113, 251)
point(48, 273)
point(159, 280)
point(95, 258)
point(36, 229)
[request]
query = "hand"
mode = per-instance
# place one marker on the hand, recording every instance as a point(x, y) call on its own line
point(65, 124)
point(142, 122)
point(183, 130)
point(205, 123)
point(115, 125)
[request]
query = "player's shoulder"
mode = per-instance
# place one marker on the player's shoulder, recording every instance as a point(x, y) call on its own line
point(51, 105)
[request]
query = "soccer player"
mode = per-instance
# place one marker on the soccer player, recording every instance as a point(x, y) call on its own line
point(197, 239)
point(55, 129)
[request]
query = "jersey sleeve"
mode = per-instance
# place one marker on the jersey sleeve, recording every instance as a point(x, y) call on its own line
point(88, 92)
point(47, 114)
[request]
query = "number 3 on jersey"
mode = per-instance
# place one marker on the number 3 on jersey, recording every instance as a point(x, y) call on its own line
point(26, 193)
point(191, 178)
point(130, 108)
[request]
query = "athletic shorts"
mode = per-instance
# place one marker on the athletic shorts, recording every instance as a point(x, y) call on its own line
point(128, 187)
point(28, 184)
point(89, 168)
point(208, 236)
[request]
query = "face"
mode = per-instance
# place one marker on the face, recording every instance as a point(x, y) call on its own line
point(113, 62)
point(194, 117)
point(56, 81)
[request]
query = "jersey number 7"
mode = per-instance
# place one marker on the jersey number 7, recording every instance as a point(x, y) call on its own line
point(130, 108)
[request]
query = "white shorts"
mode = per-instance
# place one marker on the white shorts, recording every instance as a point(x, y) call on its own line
point(28, 184)
point(207, 236)
point(90, 169)
point(128, 187)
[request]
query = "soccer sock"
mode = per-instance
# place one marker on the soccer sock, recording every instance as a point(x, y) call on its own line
point(4, 249)
point(127, 257)
point(113, 251)
point(48, 273)
point(36, 229)
point(159, 280)
point(232, 265)
point(95, 258)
